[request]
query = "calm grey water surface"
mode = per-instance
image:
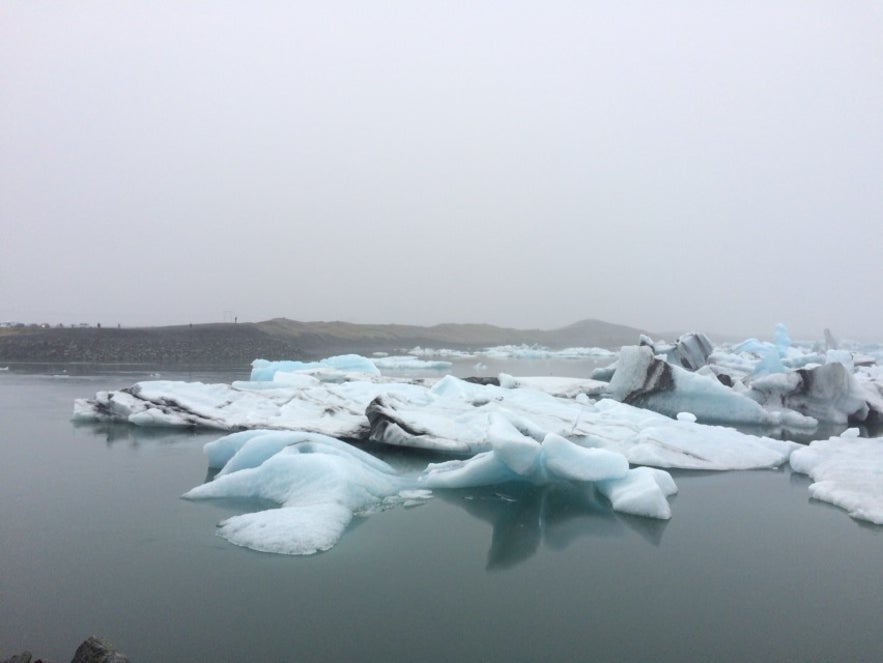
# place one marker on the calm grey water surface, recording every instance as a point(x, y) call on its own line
point(95, 539)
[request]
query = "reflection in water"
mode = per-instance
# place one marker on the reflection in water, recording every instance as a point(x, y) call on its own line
point(120, 431)
point(524, 516)
point(806, 435)
point(799, 435)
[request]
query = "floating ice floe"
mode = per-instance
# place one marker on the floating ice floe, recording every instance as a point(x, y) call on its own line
point(410, 363)
point(320, 483)
point(848, 472)
point(515, 352)
point(540, 352)
point(263, 370)
point(344, 365)
point(329, 403)
point(455, 416)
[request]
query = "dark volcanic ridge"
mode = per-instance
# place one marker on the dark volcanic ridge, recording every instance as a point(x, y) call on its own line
point(280, 338)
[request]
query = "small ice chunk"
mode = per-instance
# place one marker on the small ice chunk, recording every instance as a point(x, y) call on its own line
point(781, 339)
point(263, 370)
point(642, 492)
point(516, 451)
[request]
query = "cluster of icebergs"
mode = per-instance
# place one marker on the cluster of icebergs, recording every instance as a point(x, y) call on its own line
point(291, 425)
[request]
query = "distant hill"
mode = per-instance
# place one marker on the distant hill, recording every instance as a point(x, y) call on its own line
point(320, 337)
point(280, 338)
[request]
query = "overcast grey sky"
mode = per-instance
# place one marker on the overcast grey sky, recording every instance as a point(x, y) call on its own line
point(709, 165)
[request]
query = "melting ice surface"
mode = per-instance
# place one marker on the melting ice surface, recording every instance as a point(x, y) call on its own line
point(319, 483)
point(649, 409)
point(454, 416)
point(848, 472)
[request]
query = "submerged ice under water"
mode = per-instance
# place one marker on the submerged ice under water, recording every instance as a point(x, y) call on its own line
point(536, 430)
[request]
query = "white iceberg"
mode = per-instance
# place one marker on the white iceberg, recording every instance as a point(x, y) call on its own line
point(542, 352)
point(847, 471)
point(263, 370)
point(456, 416)
point(515, 352)
point(410, 363)
point(289, 402)
point(451, 417)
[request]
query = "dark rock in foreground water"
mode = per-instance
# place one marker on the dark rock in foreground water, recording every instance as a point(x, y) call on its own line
point(95, 650)
point(24, 657)
point(91, 650)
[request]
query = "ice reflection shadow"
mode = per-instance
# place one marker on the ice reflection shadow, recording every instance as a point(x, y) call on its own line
point(524, 517)
point(801, 436)
point(805, 436)
point(118, 432)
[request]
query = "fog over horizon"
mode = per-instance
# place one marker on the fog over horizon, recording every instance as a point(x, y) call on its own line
point(669, 166)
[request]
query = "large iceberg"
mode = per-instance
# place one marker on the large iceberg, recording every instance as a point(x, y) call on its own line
point(328, 403)
point(319, 484)
point(452, 416)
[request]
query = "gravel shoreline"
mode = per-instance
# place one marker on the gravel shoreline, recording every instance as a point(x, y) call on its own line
point(229, 343)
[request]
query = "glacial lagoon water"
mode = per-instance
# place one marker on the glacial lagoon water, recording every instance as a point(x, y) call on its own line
point(94, 538)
